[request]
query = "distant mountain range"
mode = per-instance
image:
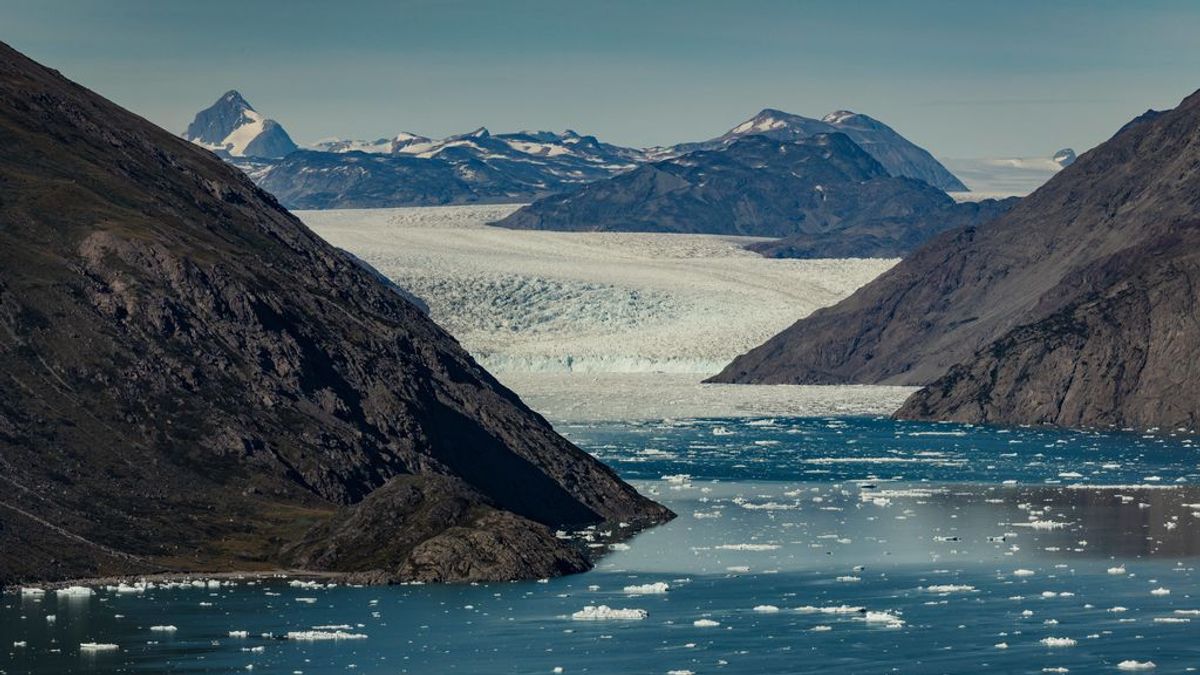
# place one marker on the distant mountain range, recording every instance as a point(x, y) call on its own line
point(1075, 308)
point(822, 193)
point(479, 167)
point(1010, 175)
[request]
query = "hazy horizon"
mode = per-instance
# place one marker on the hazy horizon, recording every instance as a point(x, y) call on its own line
point(1018, 79)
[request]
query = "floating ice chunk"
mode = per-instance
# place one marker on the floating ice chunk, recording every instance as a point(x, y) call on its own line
point(75, 592)
point(98, 647)
point(950, 588)
point(680, 672)
point(321, 635)
point(1160, 591)
point(655, 588)
point(887, 618)
point(1058, 642)
point(603, 612)
point(705, 623)
point(747, 547)
point(31, 591)
point(1023, 573)
point(1119, 569)
point(1130, 664)
point(835, 609)
point(239, 633)
point(766, 609)
point(820, 629)
point(163, 629)
point(1042, 524)
point(849, 579)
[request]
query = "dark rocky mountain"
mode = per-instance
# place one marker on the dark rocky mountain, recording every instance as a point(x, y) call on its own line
point(196, 381)
point(1075, 308)
point(898, 155)
point(231, 127)
point(823, 194)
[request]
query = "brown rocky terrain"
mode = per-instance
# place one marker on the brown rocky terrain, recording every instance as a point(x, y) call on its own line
point(194, 381)
point(1077, 307)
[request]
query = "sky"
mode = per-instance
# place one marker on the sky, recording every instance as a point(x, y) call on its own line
point(961, 78)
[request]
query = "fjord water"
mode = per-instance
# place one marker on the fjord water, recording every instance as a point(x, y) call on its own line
point(1017, 550)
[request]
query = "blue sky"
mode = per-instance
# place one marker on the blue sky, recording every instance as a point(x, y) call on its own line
point(963, 78)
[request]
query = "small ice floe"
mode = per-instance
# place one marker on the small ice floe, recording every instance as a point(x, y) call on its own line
point(1118, 609)
point(322, 635)
point(1023, 573)
point(92, 647)
point(342, 626)
point(680, 672)
point(706, 623)
point(887, 618)
point(950, 588)
point(656, 588)
point(820, 628)
point(1160, 591)
point(604, 612)
point(833, 609)
point(747, 547)
point(304, 600)
point(75, 592)
point(1042, 524)
point(1058, 642)
point(766, 609)
point(849, 579)
point(1130, 664)
point(1119, 569)
point(618, 546)
point(239, 633)
point(1171, 619)
point(30, 591)
point(19, 643)
point(163, 629)
point(1001, 645)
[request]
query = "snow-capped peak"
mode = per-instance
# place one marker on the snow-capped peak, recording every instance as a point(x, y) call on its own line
point(1064, 157)
point(232, 126)
point(766, 120)
point(838, 116)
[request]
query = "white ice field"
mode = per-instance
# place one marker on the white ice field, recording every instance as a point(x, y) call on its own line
point(596, 325)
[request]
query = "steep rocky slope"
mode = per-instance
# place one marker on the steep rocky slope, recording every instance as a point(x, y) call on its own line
point(193, 380)
point(1076, 307)
point(823, 194)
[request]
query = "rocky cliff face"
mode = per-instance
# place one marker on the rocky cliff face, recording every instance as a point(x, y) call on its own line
point(824, 195)
point(196, 381)
point(1073, 308)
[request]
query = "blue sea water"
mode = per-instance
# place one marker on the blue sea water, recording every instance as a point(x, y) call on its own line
point(1073, 550)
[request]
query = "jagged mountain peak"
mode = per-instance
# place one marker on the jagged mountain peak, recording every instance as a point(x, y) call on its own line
point(232, 127)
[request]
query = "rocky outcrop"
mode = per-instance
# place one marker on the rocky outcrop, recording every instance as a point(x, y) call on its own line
point(823, 196)
point(1074, 308)
point(194, 381)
